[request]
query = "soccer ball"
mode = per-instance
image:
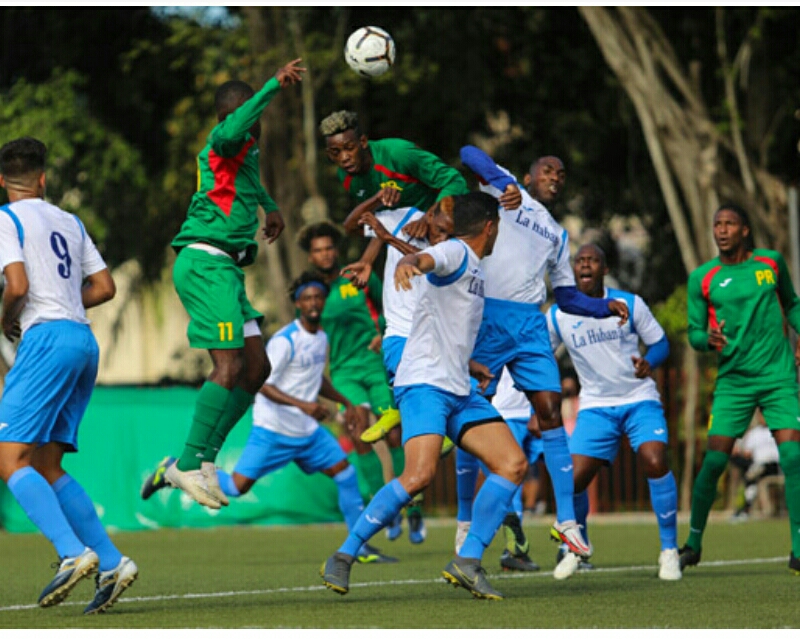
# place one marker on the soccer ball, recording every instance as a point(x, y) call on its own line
point(369, 51)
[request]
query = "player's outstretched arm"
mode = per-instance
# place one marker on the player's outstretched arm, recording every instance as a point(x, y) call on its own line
point(290, 73)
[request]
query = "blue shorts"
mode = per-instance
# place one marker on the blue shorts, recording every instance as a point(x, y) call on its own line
point(598, 431)
point(49, 386)
point(267, 451)
point(429, 410)
point(515, 335)
point(392, 351)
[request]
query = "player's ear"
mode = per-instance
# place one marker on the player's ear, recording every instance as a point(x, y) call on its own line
point(362, 141)
point(527, 179)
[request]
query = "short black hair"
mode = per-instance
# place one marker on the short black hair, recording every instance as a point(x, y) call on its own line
point(230, 96)
point(597, 248)
point(22, 156)
point(471, 211)
point(313, 231)
point(306, 278)
point(339, 122)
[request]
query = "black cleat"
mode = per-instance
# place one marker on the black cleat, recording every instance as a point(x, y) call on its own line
point(335, 572)
point(521, 562)
point(688, 557)
point(472, 576)
point(794, 564)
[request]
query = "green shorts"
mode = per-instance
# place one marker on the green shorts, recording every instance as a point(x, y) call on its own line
point(731, 413)
point(211, 288)
point(367, 385)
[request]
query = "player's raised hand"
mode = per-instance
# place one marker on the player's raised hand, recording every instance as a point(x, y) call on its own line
point(290, 73)
point(620, 309)
point(358, 273)
point(403, 274)
point(511, 198)
point(716, 338)
point(273, 226)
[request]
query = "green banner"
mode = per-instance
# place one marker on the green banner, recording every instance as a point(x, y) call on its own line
point(127, 431)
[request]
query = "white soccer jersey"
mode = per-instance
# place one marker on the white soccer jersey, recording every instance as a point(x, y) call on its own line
point(298, 363)
point(530, 245)
point(510, 402)
point(446, 322)
point(58, 255)
point(601, 351)
point(398, 306)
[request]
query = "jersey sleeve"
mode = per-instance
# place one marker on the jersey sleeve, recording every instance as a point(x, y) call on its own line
point(10, 243)
point(448, 257)
point(226, 138)
point(279, 352)
point(645, 323)
point(432, 171)
point(697, 313)
point(91, 260)
point(788, 295)
point(266, 202)
point(489, 173)
point(558, 265)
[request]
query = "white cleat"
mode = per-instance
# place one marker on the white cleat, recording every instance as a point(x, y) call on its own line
point(210, 473)
point(569, 533)
point(669, 565)
point(567, 567)
point(194, 484)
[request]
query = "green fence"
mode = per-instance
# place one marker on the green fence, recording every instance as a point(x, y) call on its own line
point(126, 431)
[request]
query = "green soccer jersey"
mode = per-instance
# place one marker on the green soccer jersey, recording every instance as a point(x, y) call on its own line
point(224, 210)
point(421, 177)
point(351, 320)
point(753, 298)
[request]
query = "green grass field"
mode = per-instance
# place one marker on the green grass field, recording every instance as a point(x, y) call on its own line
point(257, 577)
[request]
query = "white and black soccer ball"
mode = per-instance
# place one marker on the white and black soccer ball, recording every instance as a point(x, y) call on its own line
point(370, 51)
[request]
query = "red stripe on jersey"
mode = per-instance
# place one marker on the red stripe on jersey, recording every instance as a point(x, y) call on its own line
point(225, 171)
point(706, 287)
point(373, 310)
point(769, 262)
point(347, 182)
point(396, 176)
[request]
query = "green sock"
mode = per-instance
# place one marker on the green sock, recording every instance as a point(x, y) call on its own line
point(370, 473)
point(239, 402)
point(208, 410)
point(790, 464)
point(398, 460)
point(704, 494)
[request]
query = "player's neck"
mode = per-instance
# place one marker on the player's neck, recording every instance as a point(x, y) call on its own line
point(736, 256)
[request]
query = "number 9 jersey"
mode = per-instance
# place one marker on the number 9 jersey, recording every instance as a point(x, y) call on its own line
point(58, 255)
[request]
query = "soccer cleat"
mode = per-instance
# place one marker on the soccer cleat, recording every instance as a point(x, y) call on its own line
point(388, 420)
point(335, 572)
point(395, 529)
point(70, 571)
point(472, 576)
point(569, 533)
point(111, 584)
point(794, 564)
point(416, 525)
point(584, 564)
point(371, 555)
point(521, 562)
point(447, 447)
point(669, 565)
point(516, 541)
point(688, 556)
point(462, 530)
point(212, 481)
point(194, 484)
point(158, 479)
point(567, 566)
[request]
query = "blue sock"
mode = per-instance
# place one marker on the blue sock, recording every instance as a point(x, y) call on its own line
point(466, 476)
point(226, 484)
point(664, 499)
point(350, 502)
point(516, 502)
point(490, 508)
point(37, 499)
point(559, 465)
point(82, 516)
point(581, 504)
point(379, 512)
